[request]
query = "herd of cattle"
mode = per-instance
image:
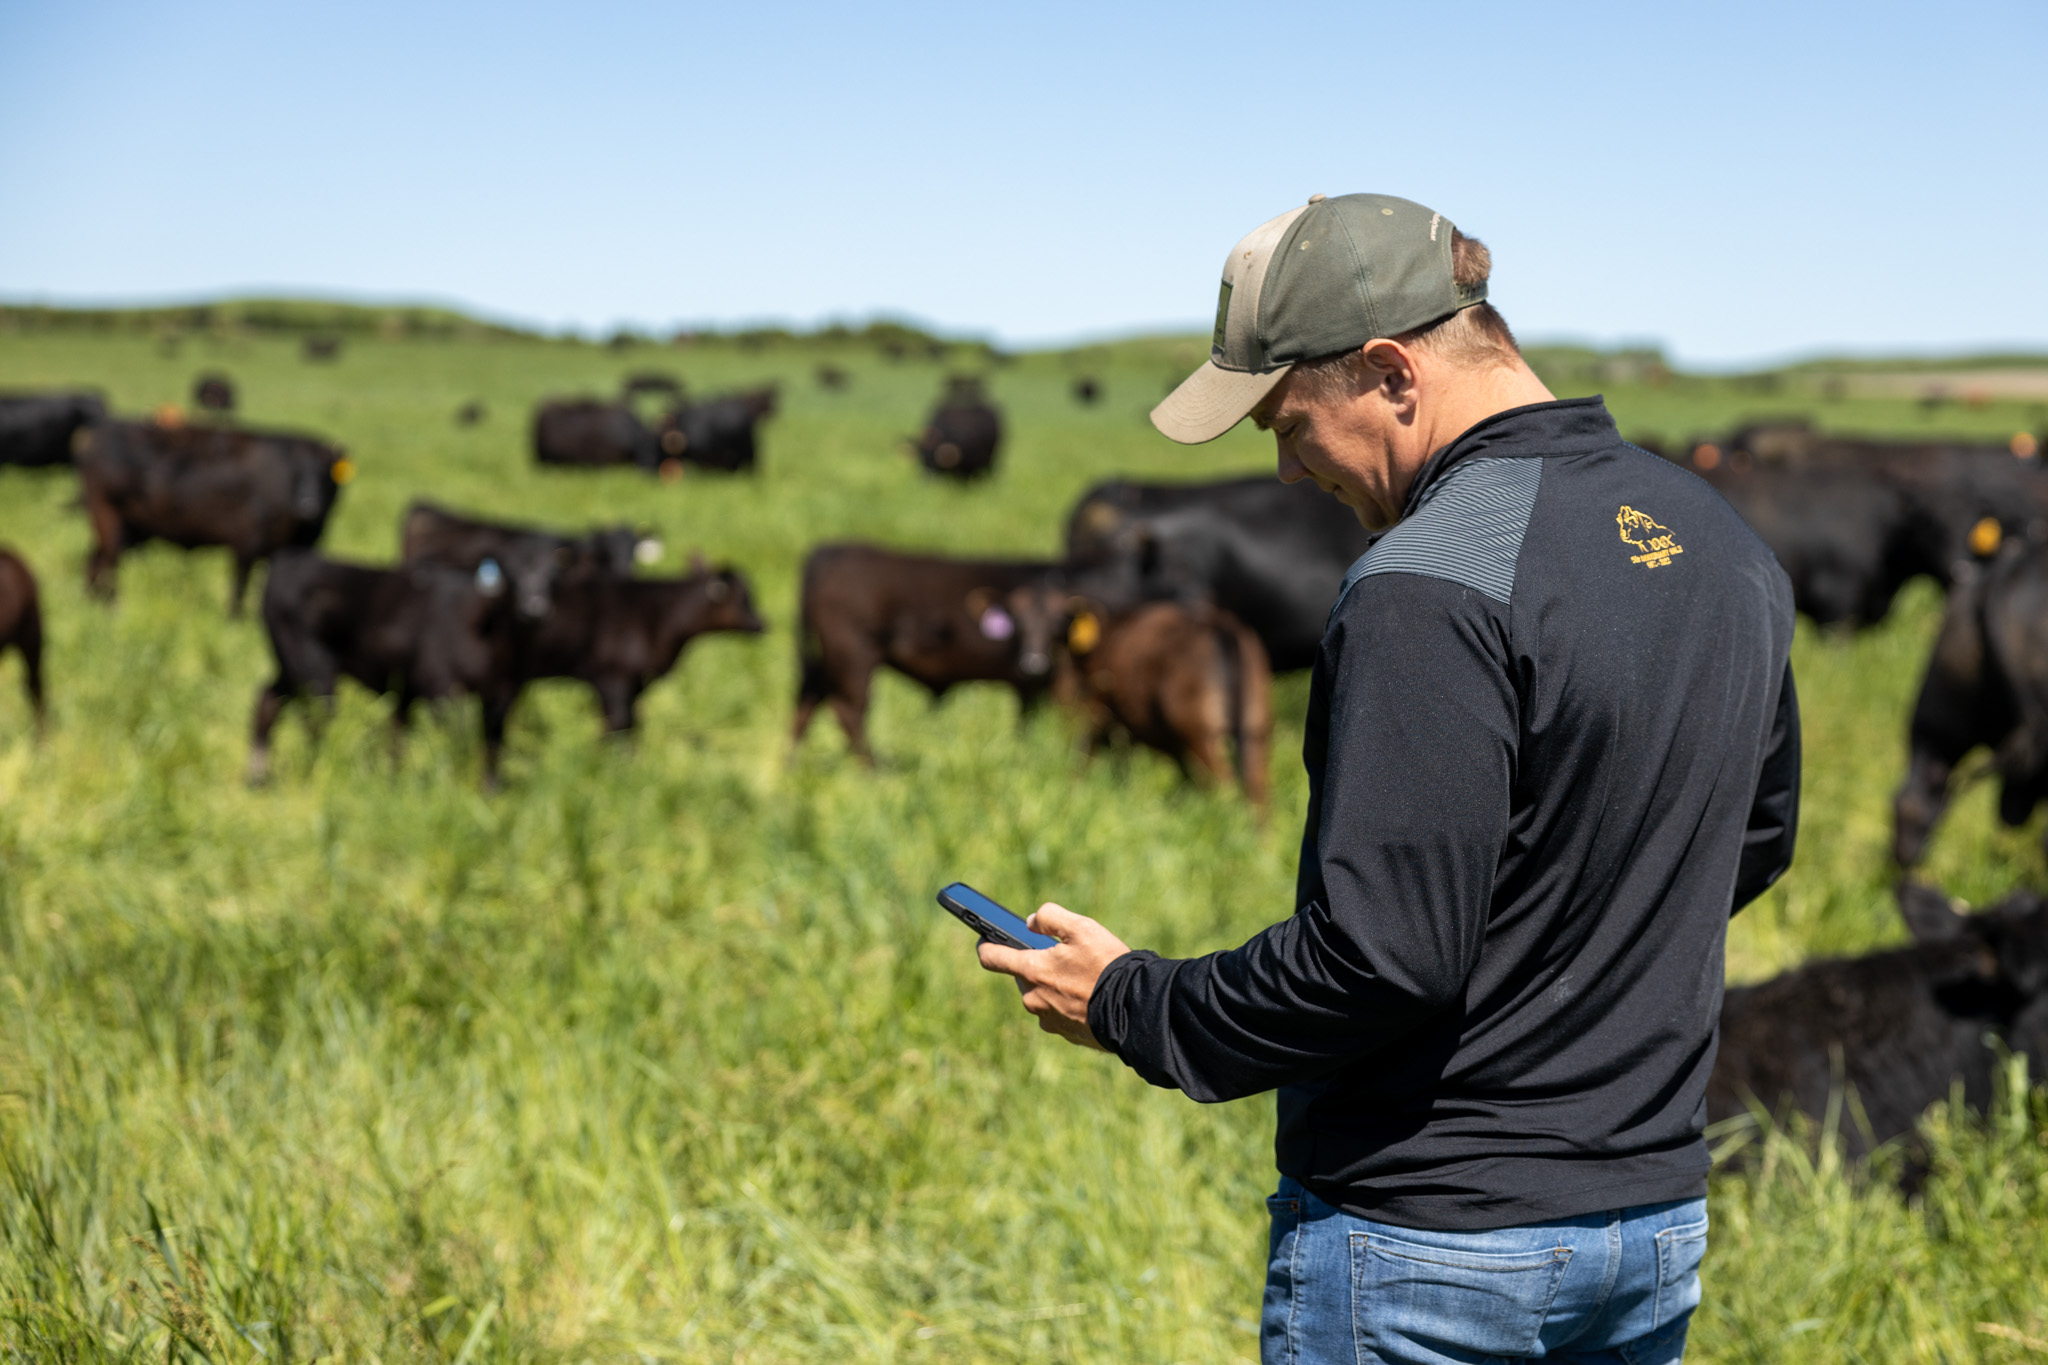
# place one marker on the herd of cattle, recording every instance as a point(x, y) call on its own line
point(1163, 620)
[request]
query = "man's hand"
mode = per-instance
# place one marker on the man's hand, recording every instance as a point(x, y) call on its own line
point(1058, 981)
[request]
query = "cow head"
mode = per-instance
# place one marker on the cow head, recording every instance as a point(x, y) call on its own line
point(2006, 944)
point(1052, 621)
point(729, 598)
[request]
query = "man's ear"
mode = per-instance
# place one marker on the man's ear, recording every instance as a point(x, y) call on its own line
point(1393, 369)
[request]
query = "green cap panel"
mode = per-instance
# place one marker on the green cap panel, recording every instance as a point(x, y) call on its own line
point(1353, 268)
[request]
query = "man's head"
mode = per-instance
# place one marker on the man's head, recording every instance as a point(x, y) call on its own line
point(1357, 331)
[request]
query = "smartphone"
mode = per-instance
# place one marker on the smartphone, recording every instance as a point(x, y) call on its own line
point(991, 921)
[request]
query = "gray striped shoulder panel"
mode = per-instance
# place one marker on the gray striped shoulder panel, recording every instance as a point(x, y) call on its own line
point(1468, 530)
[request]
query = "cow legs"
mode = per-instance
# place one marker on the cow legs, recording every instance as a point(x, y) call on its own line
point(29, 640)
point(401, 722)
point(238, 591)
point(497, 710)
point(108, 539)
point(616, 698)
point(270, 703)
point(845, 688)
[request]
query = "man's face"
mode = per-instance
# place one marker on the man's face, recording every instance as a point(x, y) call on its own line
point(1347, 445)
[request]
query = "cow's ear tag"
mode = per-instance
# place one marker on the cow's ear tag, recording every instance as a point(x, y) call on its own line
point(648, 550)
point(1084, 633)
point(490, 579)
point(1985, 537)
point(342, 470)
point(997, 624)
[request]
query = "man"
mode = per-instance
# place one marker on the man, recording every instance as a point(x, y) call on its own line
point(1552, 744)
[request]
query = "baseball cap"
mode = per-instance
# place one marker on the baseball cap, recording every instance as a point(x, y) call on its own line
point(1326, 277)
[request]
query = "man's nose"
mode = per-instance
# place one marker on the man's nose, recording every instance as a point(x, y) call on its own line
point(1291, 469)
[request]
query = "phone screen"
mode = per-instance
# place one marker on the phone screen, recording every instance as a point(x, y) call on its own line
point(961, 897)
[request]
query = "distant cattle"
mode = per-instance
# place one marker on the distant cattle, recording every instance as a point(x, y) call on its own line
point(533, 560)
point(253, 492)
point(833, 377)
point(937, 621)
point(1986, 685)
point(963, 434)
point(590, 432)
point(719, 433)
point(421, 632)
point(621, 635)
point(650, 381)
point(1271, 554)
point(21, 625)
point(320, 348)
point(1898, 1028)
point(214, 392)
point(39, 429)
point(1087, 390)
point(470, 413)
point(1188, 680)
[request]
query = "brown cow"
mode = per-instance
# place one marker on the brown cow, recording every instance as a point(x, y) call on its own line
point(936, 620)
point(21, 625)
point(1187, 679)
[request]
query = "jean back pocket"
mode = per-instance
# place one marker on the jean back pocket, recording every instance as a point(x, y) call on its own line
point(1485, 1303)
point(1679, 1252)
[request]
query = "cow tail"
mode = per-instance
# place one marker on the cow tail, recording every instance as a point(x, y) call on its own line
point(1251, 707)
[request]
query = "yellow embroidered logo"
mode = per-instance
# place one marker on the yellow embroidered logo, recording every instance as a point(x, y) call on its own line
point(1656, 542)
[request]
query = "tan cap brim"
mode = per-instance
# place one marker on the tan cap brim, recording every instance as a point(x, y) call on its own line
point(1211, 401)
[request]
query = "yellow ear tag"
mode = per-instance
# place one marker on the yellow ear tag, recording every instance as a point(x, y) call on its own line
point(2024, 446)
point(343, 471)
point(1084, 634)
point(1985, 537)
point(168, 415)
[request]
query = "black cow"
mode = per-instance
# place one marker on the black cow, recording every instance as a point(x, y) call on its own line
point(833, 377)
point(214, 392)
point(591, 431)
point(254, 492)
point(1087, 390)
point(417, 632)
point(719, 433)
point(21, 625)
point(1986, 685)
point(1271, 554)
point(963, 434)
point(531, 559)
point(936, 620)
point(650, 381)
point(470, 413)
point(1900, 1027)
point(38, 429)
point(320, 348)
point(622, 635)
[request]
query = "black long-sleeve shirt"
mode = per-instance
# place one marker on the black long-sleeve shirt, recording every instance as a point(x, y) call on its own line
point(1552, 745)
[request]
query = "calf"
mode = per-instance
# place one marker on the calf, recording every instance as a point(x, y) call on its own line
point(961, 438)
point(621, 635)
point(1188, 680)
point(21, 626)
point(214, 392)
point(530, 558)
point(589, 431)
point(254, 492)
point(38, 429)
point(719, 433)
point(1271, 554)
point(416, 632)
point(1901, 1027)
point(1087, 390)
point(1986, 685)
point(937, 621)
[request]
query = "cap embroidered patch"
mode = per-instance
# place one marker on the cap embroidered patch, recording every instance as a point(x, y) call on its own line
point(1656, 541)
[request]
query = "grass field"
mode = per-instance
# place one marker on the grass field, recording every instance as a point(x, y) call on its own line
point(664, 1052)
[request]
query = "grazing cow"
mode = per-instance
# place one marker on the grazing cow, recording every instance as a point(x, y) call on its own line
point(1901, 1027)
point(719, 433)
point(417, 632)
point(622, 635)
point(833, 377)
point(1847, 540)
point(470, 413)
point(1188, 680)
point(320, 348)
point(251, 491)
point(21, 625)
point(1986, 685)
point(935, 620)
point(590, 431)
point(961, 438)
point(1271, 554)
point(214, 392)
point(650, 381)
point(38, 429)
point(532, 560)
point(1087, 390)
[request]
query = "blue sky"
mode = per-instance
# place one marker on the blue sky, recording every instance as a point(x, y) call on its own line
point(1737, 181)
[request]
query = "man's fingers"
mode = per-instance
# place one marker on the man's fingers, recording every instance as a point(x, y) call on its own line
point(1010, 961)
point(1057, 921)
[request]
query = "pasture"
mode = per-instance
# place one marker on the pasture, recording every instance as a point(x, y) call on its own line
point(664, 1052)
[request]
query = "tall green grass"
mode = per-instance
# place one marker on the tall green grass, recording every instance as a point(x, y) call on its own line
point(664, 1052)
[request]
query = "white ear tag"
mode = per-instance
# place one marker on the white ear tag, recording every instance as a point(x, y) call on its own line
point(490, 579)
point(648, 551)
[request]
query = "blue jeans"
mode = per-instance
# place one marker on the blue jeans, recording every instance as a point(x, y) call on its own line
point(1616, 1288)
